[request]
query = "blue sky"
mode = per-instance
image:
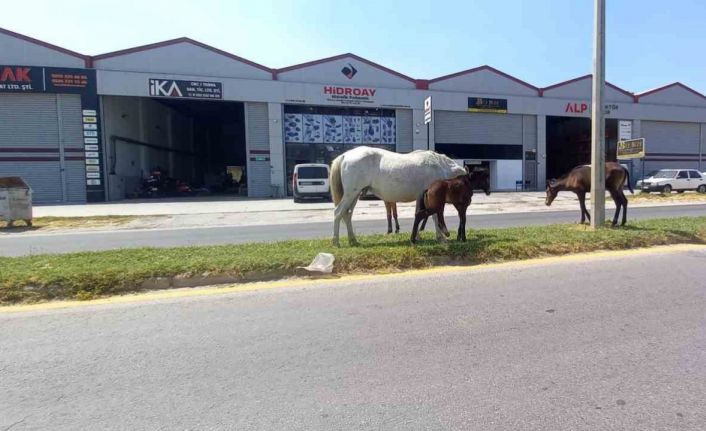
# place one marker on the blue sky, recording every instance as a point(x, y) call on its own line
point(650, 43)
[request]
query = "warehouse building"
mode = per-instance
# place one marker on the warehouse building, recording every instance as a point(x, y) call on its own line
point(91, 128)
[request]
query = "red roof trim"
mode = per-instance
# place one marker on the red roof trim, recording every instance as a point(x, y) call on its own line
point(342, 56)
point(485, 67)
point(664, 87)
point(177, 41)
point(85, 58)
point(589, 76)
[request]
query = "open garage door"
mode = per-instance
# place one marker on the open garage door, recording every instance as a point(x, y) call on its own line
point(174, 148)
point(569, 143)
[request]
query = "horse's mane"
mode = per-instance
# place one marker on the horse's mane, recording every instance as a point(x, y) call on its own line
point(434, 158)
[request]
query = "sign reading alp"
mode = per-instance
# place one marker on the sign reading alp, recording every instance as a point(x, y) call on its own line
point(427, 110)
point(631, 149)
point(580, 108)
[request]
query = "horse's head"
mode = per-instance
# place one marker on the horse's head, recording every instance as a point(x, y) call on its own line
point(480, 179)
point(552, 191)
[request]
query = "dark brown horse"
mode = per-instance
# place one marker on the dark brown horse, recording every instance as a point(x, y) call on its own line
point(579, 182)
point(457, 191)
point(391, 210)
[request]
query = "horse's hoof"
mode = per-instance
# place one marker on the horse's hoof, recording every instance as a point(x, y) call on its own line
point(354, 243)
point(335, 243)
point(389, 232)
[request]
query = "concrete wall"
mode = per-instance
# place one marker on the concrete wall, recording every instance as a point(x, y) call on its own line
point(419, 131)
point(258, 139)
point(183, 58)
point(14, 51)
point(135, 84)
point(404, 129)
point(277, 150)
point(505, 173)
point(483, 81)
point(541, 151)
point(675, 95)
point(582, 89)
point(329, 72)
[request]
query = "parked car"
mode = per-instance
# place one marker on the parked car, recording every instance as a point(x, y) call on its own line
point(310, 180)
point(680, 180)
point(650, 175)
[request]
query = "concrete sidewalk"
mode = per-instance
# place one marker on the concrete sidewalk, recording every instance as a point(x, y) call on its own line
point(199, 212)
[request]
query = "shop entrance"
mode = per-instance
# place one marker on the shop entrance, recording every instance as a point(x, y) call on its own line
point(569, 143)
point(319, 134)
point(174, 148)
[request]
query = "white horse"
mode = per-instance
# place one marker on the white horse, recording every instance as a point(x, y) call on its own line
point(393, 177)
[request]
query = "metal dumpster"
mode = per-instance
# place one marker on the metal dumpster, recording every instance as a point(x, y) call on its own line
point(15, 200)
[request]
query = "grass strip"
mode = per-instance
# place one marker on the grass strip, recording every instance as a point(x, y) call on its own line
point(94, 274)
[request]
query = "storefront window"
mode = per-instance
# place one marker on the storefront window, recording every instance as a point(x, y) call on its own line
point(317, 134)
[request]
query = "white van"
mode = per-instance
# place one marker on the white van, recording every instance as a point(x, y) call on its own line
point(310, 180)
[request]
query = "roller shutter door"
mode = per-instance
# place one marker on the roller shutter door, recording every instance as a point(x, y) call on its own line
point(29, 143)
point(669, 137)
point(671, 144)
point(31, 131)
point(258, 142)
point(473, 128)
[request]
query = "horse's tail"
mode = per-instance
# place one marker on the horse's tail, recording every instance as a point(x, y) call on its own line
point(335, 180)
point(627, 176)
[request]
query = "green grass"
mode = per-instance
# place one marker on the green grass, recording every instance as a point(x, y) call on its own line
point(89, 275)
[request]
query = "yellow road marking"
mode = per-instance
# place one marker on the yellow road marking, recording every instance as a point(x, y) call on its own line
point(234, 288)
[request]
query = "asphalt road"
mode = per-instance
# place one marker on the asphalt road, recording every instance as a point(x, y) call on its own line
point(26, 244)
point(593, 343)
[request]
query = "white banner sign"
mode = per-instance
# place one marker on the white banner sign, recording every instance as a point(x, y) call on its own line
point(624, 130)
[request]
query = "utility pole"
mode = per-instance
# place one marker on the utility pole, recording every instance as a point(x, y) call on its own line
point(597, 121)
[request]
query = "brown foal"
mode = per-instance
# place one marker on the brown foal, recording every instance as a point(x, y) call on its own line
point(391, 210)
point(579, 182)
point(457, 191)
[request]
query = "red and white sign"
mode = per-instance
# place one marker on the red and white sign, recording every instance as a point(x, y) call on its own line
point(349, 95)
point(15, 74)
point(584, 107)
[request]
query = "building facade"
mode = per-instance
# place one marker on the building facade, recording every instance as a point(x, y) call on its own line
point(82, 128)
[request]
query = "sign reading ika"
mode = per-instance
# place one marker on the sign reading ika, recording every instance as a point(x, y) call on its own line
point(189, 89)
point(349, 95)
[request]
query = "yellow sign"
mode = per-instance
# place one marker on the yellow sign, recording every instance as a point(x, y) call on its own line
point(631, 149)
